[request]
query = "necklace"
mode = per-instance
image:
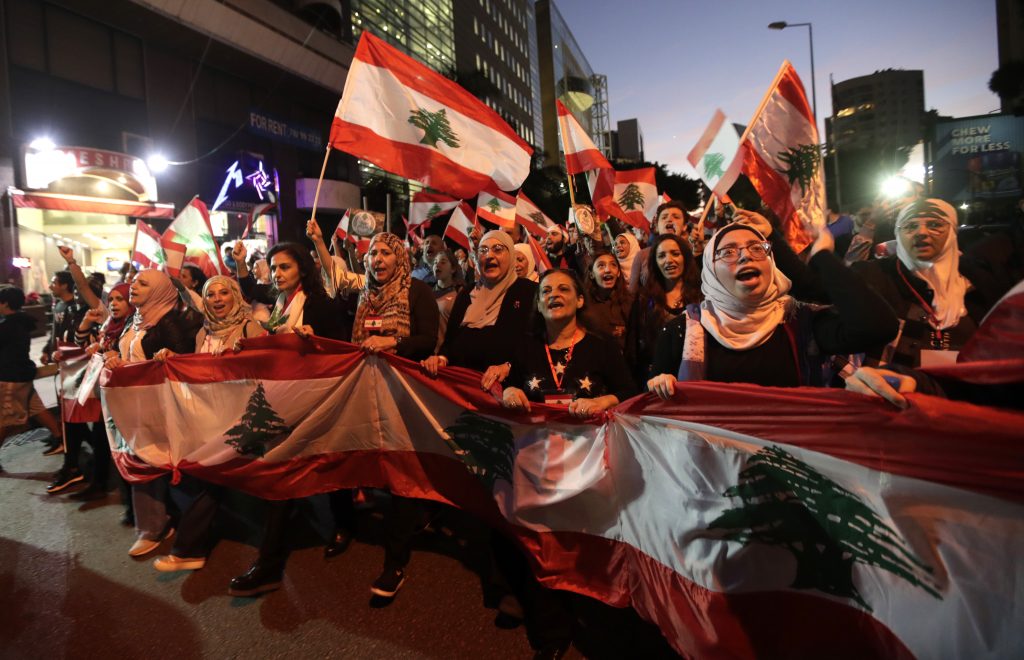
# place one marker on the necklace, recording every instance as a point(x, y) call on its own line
point(558, 371)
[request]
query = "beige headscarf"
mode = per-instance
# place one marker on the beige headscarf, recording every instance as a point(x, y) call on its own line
point(943, 273)
point(485, 299)
point(163, 297)
point(531, 268)
point(736, 324)
point(231, 326)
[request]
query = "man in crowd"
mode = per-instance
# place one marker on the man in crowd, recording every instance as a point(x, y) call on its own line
point(424, 271)
point(67, 314)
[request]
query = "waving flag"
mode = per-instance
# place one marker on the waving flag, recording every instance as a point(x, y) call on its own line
point(256, 212)
point(716, 157)
point(633, 199)
point(580, 152)
point(744, 521)
point(426, 206)
point(531, 217)
point(192, 229)
point(497, 207)
point(414, 122)
point(146, 251)
point(461, 225)
point(782, 158)
point(174, 255)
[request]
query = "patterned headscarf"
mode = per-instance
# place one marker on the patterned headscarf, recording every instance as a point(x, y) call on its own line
point(388, 300)
point(240, 314)
point(942, 273)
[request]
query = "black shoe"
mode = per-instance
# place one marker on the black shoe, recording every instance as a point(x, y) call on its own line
point(63, 479)
point(54, 450)
point(551, 651)
point(259, 579)
point(339, 544)
point(92, 492)
point(388, 583)
point(127, 519)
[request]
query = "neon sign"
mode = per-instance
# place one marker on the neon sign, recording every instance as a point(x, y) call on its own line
point(251, 179)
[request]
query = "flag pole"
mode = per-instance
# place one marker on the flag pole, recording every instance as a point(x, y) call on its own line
point(572, 186)
point(316, 195)
point(764, 101)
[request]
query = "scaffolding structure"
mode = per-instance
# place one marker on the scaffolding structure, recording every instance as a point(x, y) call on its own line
point(600, 115)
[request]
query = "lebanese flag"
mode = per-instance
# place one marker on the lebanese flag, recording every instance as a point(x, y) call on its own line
point(633, 199)
point(716, 155)
point(461, 225)
point(743, 521)
point(665, 198)
point(414, 122)
point(498, 208)
point(531, 217)
point(78, 373)
point(146, 250)
point(426, 206)
point(341, 231)
point(540, 256)
point(174, 255)
point(580, 152)
point(256, 212)
point(782, 158)
point(192, 229)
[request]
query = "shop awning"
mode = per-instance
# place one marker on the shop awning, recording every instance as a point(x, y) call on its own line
point(57, 202)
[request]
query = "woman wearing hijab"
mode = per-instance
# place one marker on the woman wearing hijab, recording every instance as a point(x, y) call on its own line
point(608, 299)
point(939, 295)
point(227, 319)
point(749, 330)
point(525, 265)
point(673, 284)
point(488, 319)
point(626, 249)
point(157, 324)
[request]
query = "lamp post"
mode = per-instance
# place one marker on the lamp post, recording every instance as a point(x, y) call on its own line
point(782, 25)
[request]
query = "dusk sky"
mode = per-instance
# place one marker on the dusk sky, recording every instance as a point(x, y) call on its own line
point(670, 63)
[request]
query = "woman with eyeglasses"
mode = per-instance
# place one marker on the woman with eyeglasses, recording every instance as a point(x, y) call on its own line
point(488, 319)
point(749, 330)
point(939, 295)
point(674, 283)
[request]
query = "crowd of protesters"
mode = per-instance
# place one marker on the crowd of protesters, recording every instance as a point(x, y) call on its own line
point(615, 315)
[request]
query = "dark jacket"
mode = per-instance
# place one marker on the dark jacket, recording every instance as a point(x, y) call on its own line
point(176, 331)
point(329, 317)
point(424, 318)
point(479, 348)
point(15, 337)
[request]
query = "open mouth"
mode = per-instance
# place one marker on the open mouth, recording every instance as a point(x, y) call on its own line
point(608, 278)
point(747, 275)
point(670, 227)
point(555, 304)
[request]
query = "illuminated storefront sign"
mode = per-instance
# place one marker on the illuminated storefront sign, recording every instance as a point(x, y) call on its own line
point(44, 167)
point(248, 179)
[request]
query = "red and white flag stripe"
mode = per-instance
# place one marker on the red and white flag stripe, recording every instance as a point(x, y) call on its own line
point(581, 154)
point(146, 250)
point(716, 156)
point(414, 122)
point(461, 225)
point(426, 206)
point(530, 216)
point(497, 207)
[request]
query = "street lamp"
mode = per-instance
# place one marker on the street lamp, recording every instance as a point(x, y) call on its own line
point(782, 25)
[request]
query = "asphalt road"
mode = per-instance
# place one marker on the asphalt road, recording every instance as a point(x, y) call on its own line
point(68, 589)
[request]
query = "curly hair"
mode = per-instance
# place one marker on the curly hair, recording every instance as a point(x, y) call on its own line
point(309, 276)
point(656, 287)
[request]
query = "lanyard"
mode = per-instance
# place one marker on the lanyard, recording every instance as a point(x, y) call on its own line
point(558, 378)
point(927, 308)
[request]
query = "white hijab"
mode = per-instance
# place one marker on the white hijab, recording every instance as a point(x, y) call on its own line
point(943, 273)
point(531, 268)
point(626, 262)
point(734, 323)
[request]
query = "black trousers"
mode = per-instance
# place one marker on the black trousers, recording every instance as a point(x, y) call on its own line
point(77, 433)
point(193, 538)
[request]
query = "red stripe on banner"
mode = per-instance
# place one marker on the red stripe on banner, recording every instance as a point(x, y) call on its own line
point(791, 88)
point(864, 430)
point(412, 161)
point(73, 411)
point(412, 74)
point(700, 622)
point(775, 191)
point(987, 372)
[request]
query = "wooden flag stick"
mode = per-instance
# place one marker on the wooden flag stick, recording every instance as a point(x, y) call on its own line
point(572, 187)
point(316, 195)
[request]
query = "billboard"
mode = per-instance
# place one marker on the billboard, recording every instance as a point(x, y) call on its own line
point(978, 157)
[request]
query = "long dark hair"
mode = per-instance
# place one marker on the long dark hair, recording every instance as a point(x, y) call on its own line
point(656, 287)
point(538, 327)
point(619, 294)
point(309, 276)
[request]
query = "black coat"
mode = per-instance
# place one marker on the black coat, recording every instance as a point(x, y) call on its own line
point(176, 331)
point(15, 338)
point(479, 348)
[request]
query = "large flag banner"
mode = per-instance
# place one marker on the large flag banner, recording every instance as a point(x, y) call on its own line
point(782, 158)
point(193, 230)
point(581, 154)
point(744, 521)
point(529, 215)
point(414, 122)
point(426, 206)
point(78, 372)
point(460, 225)
point(716, 156)
point(498, 208)
point(633, 199)
point(146, 250)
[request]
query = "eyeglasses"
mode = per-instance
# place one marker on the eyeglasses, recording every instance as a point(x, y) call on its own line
point(496, 250)
point(731, 254)
point(930, 226)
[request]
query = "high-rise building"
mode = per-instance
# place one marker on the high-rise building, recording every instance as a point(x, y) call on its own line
point(629, 141)
point(495, 59)
point(884, 110)
point(565, 75)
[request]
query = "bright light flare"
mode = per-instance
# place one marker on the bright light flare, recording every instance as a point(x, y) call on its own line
point(158, 163)
point(895, 187)
point(42, 144)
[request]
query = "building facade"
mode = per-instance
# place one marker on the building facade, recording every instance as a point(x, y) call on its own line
point(884, 109)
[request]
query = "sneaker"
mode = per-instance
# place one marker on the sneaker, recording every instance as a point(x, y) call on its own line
point(170, 563)
point(54, 450)
point(388, 583)
point(63, 479)
point(145, 546)
point(259, 579)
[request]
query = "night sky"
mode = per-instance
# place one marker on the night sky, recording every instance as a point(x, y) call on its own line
point(670, 63)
